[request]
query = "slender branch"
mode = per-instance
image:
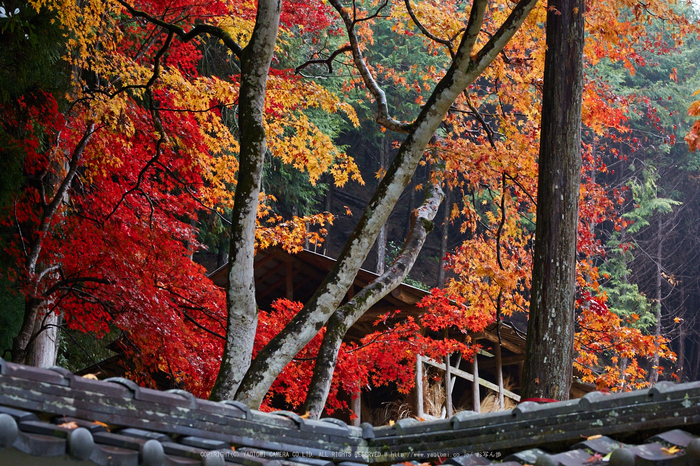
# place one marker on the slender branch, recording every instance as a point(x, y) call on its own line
point(498, 254)
point(200, 326)
point(502, 222)
point(156, 122)
point(51, 209)
point(198, 30)
point(70, 281)
point(328, 61)
point(446, 42)
point(189, 110)
point(19, 228)
point(372, 16)
point(480, 119)
point(383, 117)
point(514, 180)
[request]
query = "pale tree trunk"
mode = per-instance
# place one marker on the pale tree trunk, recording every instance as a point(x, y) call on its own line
point(33, 269)
point(241, 305)
point(466, 68)
point(44, 348)
point(346, 316)
point(547, 371)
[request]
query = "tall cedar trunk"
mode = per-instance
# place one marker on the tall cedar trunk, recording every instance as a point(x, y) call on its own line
point(547, 371)
point(654, 372)
point(348, 314)
point(443, 240)
point(382, 238)
point(328, 241)
point(681, 352)
point(465, 69)
point(694, 367)
point(240, 303)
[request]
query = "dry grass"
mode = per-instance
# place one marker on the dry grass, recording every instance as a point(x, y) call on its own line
point(433, 397)
point(389, 411)
point(490, 402)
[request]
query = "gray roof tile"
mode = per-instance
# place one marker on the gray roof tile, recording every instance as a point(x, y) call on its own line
point(175, 428)
point(602, 445)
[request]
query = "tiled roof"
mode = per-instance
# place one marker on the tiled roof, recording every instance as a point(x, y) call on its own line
point(53, 413)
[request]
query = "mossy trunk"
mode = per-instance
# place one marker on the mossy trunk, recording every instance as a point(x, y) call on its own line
point(240, 303)
point(346, 316)
point(548, 368)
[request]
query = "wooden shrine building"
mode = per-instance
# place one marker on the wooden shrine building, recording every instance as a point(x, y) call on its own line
point(279, 274)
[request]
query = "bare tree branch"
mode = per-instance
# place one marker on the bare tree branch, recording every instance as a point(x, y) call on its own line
point(383, 117)
point(198, 30)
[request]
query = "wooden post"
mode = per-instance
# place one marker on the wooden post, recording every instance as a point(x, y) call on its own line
point(470, 378)
point(456, 366)
point(448, 386)
point(476, 395)
point(356, 406)
point(499, 375)
point(520, 373)
point(419, 386)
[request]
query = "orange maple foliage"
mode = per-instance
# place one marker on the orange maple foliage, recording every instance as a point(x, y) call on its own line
point(487, 154)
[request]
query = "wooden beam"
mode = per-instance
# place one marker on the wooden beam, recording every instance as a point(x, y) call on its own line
point(448, 387)
point(507, 361)
point(494, 338)
point(419, 386)
point(356, 406)
point(260, 281)
point(499, 378)
point(476, 395)
point(404, 296)
point(264, 260)
point(467, 376)
point(270, 289)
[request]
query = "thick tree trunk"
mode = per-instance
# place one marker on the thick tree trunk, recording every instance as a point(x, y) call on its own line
point(466, 68)
point(241, 305)
point(21, 342)
point(44, 348)
point(681, 352)
point(347, 315)
point(328, 240)
point(547, 371)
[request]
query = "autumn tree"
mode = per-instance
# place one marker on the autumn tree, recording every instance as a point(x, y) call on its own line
point(101, 228)
point(466, 66)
